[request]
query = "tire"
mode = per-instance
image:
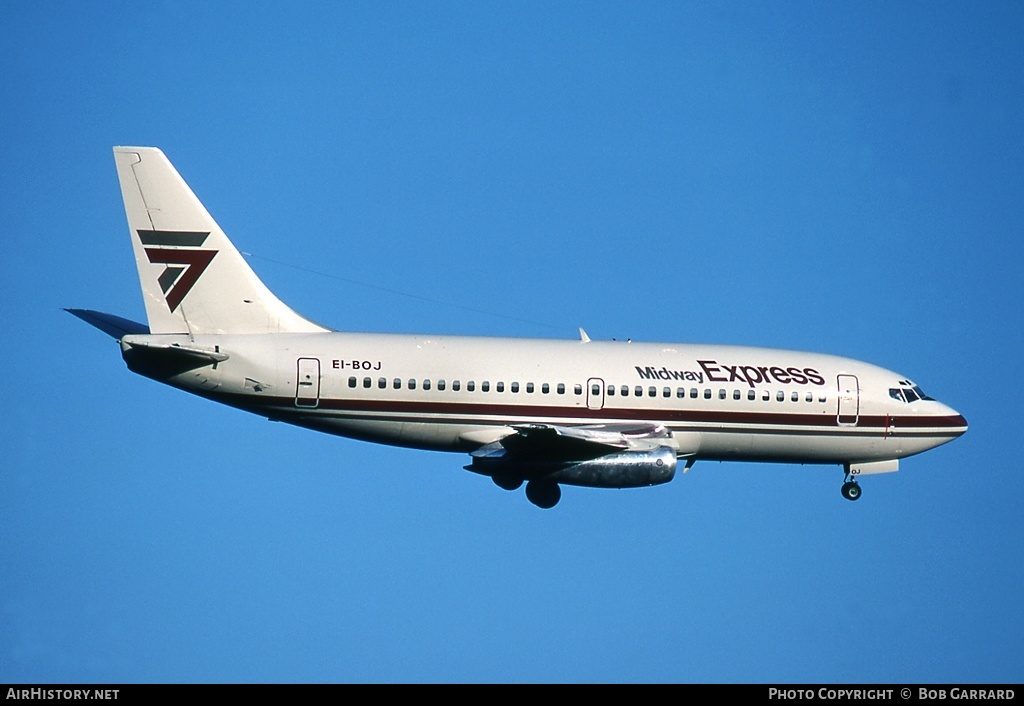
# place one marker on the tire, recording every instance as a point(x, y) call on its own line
point(507, 482)
point(851, 491)
point(543, 494)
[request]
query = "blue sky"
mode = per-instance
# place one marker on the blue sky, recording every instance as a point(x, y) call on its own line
point(844, 178)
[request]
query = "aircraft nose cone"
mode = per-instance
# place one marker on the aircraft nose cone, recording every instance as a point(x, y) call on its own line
point(960, 421)
point(955, 421)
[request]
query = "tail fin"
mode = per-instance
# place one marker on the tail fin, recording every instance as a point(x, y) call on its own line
point(193, 279)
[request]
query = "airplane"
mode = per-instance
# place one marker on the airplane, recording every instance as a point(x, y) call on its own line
point(539, 412)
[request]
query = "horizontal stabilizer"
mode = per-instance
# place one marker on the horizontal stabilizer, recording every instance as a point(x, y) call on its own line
point(108, 323)
point(155, 345)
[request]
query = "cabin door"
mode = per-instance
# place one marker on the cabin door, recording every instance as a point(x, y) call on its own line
point(307, 383)
point(849, 400)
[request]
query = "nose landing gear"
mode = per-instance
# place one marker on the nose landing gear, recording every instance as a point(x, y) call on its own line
point(851, 489)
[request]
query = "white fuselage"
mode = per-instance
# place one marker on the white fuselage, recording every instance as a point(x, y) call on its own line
point(541, 412)
point(455, 393)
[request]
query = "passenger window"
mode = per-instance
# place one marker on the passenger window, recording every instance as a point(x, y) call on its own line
point(652, 391)
point(721, 394)
point(736, 394)
point(545, 388)
point(367, 382)
point(382, 383)
point(595, 389)
point(577, 389)
point(515, 387)
point(561, 388)
point(751, 395)
point(426, 384)
point(352, 382)
point(611, 390)
point(766, 395)
point(624, 390)
point(485, 386)
point(780, 396)
point(666, 392)
point(397, 384)
point(440, 384)
point(412, 384)
point(693, 393)
point(529, 388)
point(707, 393)
point(470, 386)
point(681, 392)
point(809, 397)
point(456, 385)
point(638, 391)
point(795, 397)
point(499, 387)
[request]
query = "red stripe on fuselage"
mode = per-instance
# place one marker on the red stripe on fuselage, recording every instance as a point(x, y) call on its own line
point(516, 411)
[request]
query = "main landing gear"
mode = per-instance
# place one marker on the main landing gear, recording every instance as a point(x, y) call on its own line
point(507, 482)
point(545, 494)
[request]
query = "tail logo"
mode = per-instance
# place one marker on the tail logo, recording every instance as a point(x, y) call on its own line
point(186, 262)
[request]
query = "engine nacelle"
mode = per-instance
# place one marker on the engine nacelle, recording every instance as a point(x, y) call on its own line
point(624, 469)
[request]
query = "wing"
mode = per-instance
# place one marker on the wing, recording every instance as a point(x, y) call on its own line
point(555, 443)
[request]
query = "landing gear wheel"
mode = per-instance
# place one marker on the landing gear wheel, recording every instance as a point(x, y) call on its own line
point(544, 494)
point(507, 482)
point(851, 490)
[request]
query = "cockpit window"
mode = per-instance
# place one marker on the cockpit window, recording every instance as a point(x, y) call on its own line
point(907, 392)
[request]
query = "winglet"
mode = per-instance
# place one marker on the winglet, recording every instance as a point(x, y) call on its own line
point(583, 336)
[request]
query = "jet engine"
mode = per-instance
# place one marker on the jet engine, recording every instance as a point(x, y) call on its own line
point(623, 469)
